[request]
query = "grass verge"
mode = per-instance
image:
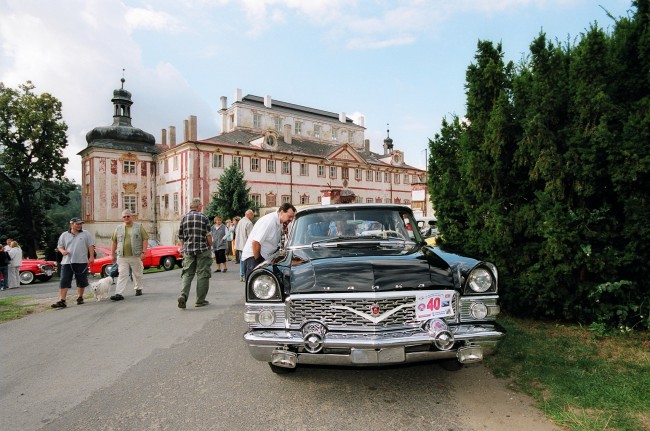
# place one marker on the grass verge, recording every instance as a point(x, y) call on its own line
point(582, 380)
point(15, 307)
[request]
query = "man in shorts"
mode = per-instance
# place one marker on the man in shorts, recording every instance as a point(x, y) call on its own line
point(77, 247)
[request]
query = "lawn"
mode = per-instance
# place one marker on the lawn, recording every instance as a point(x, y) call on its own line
point(583, 380)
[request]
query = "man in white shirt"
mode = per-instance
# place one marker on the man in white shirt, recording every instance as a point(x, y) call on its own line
point(265, 237)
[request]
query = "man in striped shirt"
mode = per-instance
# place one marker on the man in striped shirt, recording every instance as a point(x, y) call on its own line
point(196, 240)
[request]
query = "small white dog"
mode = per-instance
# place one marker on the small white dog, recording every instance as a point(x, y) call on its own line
point(102, 288)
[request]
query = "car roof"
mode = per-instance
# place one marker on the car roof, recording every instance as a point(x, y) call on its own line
point(352, 207)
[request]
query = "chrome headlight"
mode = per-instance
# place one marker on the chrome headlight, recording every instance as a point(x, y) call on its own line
point(480, 280)
point(264, 286)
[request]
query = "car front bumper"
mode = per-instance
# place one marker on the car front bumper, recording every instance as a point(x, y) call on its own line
point(287, 348)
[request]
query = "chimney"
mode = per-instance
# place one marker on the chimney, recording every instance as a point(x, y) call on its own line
point(287, 133)
point(172, 136)
point(163, 138)
point(238, 95)
point(193, 127)
point(366, 145)
point(186, 130)
point(224, 102)
point(342, 117)
point(267, 101)
point(362, 121)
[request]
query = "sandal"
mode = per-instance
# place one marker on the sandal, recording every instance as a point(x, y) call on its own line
point(60, 304)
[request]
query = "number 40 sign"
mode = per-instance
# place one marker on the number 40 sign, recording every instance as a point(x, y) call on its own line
point(434, 304)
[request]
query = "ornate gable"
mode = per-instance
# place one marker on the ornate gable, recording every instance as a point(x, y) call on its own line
point(345, 153)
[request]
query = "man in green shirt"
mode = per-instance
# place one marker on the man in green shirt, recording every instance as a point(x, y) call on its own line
point(130, 241)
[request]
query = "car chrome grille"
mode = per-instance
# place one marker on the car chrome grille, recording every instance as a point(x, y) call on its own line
point(310, 308)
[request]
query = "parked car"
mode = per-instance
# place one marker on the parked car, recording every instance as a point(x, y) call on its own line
point(165, 256)
point(32, 269)
point(374, 294)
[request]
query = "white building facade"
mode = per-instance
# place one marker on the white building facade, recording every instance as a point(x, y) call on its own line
point(287, 152)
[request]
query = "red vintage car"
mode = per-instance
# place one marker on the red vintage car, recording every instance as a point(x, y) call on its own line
point(40, 269)
point(166, 256)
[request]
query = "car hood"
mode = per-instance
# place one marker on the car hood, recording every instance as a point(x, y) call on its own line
point(318, 271)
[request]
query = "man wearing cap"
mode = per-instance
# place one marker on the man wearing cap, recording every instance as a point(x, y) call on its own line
point(77, 247)
point(130, 241)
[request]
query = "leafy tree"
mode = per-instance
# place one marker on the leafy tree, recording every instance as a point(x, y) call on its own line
point(32, 166)
point(232, 196)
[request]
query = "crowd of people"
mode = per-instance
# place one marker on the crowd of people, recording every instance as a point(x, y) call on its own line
point(239, 240)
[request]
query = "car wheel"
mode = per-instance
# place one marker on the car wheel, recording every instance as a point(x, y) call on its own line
point(281, 370)
point(106, 270)
point(44, 278)
point(451, 364)
point(26, 277)
point(169, 262)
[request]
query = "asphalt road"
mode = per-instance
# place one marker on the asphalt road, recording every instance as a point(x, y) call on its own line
point(144, 364)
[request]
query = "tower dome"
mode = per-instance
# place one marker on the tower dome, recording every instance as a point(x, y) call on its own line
point(121, 134)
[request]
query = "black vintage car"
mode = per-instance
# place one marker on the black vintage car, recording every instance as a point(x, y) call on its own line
point(354, 285)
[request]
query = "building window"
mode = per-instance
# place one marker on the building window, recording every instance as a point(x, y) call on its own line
point(335, 134)
point(407, 179)
point(304, 199)
point(387, 201)
point(358, 174)
point(175, 163)
point(87, 205)
point(396, 178)
point(277, 124)
point(358, 200)
point(298, 127)
point(368, 175)
point(304, 169)
point(166, 169)
point(350, 136)
point(386, 177)
point(368, 200)
point(321, 171)
point(407, 202)
point(345, 173)
point(129, 166)
point(257, 120)
point(317, 131)
point(236, 160)
point(286, 199)
point(255, 164)
point(217, 160)
point(332, 171)
point(378, 200)
point(165, 201)
point(271, 200)
point(378, 176)
point(175, 202)
point(286, 167)
point(129, 203)
point(257, 199)
point(270, 166)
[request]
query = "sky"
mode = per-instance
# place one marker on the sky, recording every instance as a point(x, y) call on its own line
point(399, 63)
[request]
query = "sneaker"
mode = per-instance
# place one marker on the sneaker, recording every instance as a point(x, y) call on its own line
point(181, 301)
point(60, 304)
point(117, 297)
point(201, 304)
point(138, 292)
point(80, 300)
point(225, 270)
point(218, 270)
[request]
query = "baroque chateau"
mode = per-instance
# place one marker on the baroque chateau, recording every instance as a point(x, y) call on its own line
point(287, 152)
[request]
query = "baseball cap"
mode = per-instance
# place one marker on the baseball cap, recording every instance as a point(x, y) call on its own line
point(76, 220)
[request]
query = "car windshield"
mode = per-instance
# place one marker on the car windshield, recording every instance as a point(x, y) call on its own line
point(385, 224)
point(152, 243)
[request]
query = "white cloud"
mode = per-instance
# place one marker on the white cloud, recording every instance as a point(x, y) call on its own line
point(138, 18)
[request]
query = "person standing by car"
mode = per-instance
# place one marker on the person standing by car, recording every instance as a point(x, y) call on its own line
point(130, 241)
point(16, 255)
point(4, 268)
point(195, 237)
point(233, 234)
point(242, 231)
point(77, 247)
point(218, 232)
point(264, 239)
